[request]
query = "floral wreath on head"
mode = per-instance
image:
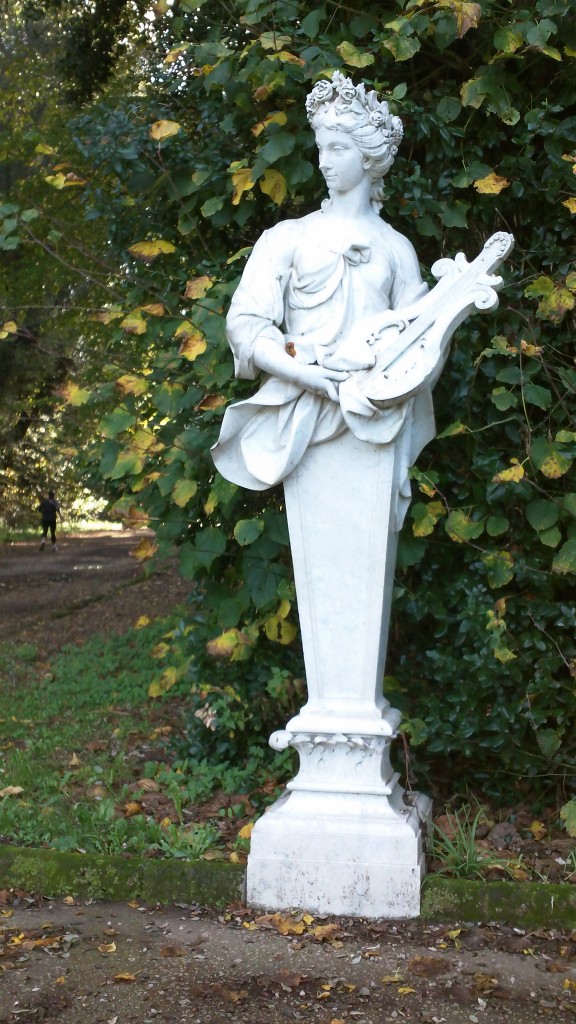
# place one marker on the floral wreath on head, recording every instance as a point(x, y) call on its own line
point(354, 100)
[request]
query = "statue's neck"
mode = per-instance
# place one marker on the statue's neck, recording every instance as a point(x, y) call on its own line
point(353, 205)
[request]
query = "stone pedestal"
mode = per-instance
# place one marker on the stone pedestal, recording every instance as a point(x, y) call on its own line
point(344, 839)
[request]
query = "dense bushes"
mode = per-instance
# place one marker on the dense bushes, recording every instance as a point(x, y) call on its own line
point(213, 147)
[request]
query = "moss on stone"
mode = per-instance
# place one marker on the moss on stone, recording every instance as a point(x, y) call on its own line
point(219, 883)
point(51, 873)
point(525, 904)
point(97, 876)
point(210, 883)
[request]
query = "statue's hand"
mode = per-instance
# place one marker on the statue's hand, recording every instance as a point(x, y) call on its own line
point(320, 381)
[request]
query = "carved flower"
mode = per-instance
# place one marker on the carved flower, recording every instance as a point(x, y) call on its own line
point(377, 118)
point(322, 92)
point(397, 126)
point(347, 91)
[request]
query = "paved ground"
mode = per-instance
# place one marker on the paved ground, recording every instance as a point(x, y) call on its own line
point(103, 963)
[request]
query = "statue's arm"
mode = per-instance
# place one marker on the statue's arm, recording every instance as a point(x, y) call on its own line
point(257, 308)
point(256, 315)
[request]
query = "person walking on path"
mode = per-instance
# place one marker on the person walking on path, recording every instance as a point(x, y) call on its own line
point(49, 510)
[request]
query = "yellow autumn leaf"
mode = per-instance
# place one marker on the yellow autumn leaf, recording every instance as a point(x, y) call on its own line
point(325, 932)
point(130, 384)
point(148, 251)
point(352, 56)
point(134, 323)
point(405, 990)
point(288, 926)
point(144, 549)
point(491, 185)
point(530, 350)
point(512, 475)
point(192, 347)
point(279, 117)
point(183, 491)
point(132, 807)
point(163, 130)
point(467, 14)
point(175, 53)
point(246, 831)
point(279, 630)
point(62, 180)
point(538, 829)
point(210, 402)
point(273, 184)
point(242, 181)
point(273, 40)
point(107, 947)
point(237, 857)
point(43, 149)
point(153, 309)
point(286, 57)
point(124, 977)
point(8, 328)
point(142, 622)
point(570, 204)
point(193, 341)
point(73, 395)
point(197, 287)
point(165, 682)
point(225, 645)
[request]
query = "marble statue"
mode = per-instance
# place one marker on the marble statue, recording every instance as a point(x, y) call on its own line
point(332, 311)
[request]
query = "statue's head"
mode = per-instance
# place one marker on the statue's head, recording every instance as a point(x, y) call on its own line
point(343, 106)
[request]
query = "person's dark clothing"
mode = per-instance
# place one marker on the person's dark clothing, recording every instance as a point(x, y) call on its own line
point(49, 508)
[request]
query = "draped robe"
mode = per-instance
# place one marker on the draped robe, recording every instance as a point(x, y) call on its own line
point(308, 290)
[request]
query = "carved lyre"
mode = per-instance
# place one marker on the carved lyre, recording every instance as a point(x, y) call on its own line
point(411, 352)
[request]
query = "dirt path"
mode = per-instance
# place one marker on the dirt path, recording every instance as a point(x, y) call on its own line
point(91, 584)
point(103, 963)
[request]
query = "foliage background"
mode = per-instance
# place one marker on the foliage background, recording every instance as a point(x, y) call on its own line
point(173, 135)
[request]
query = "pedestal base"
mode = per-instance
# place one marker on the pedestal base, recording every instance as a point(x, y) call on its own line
point(359, 855)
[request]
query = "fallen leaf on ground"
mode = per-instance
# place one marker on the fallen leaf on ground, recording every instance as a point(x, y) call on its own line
point(428, 966)
point(324, 932)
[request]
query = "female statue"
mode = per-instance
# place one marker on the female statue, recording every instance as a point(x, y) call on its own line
point(312, 302)
point(332, 310)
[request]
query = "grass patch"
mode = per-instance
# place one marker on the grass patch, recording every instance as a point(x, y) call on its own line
point(87, 761)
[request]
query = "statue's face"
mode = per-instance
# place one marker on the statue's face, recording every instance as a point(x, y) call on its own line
point(341, 163)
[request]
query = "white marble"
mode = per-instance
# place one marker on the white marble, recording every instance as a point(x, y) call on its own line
point(331, 309)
